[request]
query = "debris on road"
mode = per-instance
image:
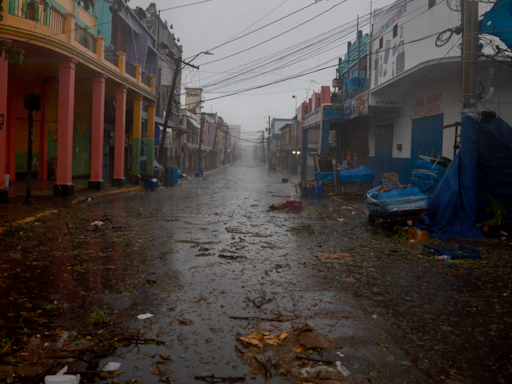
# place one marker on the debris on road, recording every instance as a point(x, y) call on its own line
point(144, 316)
point(112, 366)
point(279, 206)
point(61, 378)
point(268, 354)
point(230, 257)
point(334, 256)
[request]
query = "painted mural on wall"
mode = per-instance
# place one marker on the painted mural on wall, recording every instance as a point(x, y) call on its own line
point(412, 32)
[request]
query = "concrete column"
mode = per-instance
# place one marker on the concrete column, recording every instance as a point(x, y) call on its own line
point(97, 123)
point(150, 140)
point(4, 76)
point(64, 185)
point(137, 131)
point(304, 154)
point(119, 179)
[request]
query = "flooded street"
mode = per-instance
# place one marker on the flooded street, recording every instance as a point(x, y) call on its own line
point(210, 262)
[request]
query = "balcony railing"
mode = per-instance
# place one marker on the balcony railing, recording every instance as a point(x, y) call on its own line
point(39, 11)
point(111, 56)
point(130, 69)
point(85, 38)
point(146, 79)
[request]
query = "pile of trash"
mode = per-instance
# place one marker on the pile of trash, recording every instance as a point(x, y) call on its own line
point(293, 349)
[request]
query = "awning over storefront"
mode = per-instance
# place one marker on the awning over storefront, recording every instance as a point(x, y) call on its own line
point(193, 123)
point(195, 147)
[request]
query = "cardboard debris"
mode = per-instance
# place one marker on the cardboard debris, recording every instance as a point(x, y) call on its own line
point(253, 339)
point(269, 354)
point(334, 256)
point(275, 340)
point(280, 205)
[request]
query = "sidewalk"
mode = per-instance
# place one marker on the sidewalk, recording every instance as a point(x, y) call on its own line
point(45, 201)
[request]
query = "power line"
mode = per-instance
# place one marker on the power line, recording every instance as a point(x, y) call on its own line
point(275, 37)
point(186, 5)
point(259, 29)
point(257, 21)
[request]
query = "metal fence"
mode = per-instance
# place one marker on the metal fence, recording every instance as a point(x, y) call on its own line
point(85, 38)
point(146, 79)
point(111, 56)
point(39, 11)
point(129, 68)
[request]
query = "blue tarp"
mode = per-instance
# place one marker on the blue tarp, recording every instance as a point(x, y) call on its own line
point(400, 199)
point(426, 176)
point(497, 21)
point(483, 165)
point(359, 174)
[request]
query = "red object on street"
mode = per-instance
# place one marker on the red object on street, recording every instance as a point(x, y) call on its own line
point(486, 228)
point(293, 205)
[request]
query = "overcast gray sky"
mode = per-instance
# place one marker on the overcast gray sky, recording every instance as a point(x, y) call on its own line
point(204, 26)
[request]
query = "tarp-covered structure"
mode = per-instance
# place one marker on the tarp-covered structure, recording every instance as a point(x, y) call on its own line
point(482, 166)
point(497, 21)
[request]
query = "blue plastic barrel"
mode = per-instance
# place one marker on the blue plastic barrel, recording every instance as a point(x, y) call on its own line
point(151, 184)
point(175, 176)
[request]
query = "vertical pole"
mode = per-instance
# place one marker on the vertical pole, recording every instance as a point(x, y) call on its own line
point(269, 153)
point(198, 173)
point(150, 140)
point(177, 65)
point(225, 146)
point(119, 179)
point(470, 56)
point(4, 116)
point(136, 137)
point(64, 185)
point(28, 199)
point(358, 51)
point(97, 129)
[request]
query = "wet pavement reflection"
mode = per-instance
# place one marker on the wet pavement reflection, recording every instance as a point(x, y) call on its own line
point(197, 258)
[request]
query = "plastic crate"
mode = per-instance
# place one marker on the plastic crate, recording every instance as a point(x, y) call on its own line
point(293, 205)
point(314, 192)
point(461, 252)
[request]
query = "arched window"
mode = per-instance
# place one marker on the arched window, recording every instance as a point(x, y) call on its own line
point(30, 11)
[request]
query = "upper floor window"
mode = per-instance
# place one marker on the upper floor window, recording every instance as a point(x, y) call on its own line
point(395, 31)
point(30, 11)
point(381, 43)
point(431, 3)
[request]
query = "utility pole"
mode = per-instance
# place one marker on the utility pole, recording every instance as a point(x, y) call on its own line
point(198, 173)
point(470, 56)
point(225, 146)
point(269, 154)
point(168, 112)
point(262, 144)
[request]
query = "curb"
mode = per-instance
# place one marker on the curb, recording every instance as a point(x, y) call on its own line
point(28, 219)
point(75, 201)
point(103, 194)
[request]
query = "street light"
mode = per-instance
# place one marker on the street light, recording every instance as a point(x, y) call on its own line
point(295, 97)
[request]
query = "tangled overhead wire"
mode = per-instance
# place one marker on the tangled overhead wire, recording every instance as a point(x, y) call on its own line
point(444, 37)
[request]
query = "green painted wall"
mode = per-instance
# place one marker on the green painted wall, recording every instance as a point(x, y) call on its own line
point(82, 151)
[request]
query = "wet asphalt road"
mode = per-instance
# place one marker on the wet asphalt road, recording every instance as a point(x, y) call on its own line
point(162, 258)
point(192, 292)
